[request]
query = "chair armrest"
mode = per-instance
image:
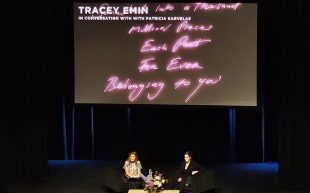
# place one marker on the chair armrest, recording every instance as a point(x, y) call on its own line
point(205, 181)
point(112, 179)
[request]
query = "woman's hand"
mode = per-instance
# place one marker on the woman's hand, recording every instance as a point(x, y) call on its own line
point(194, 172)
point(180, 179)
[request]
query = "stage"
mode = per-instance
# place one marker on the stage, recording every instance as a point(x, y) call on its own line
point(86, 177)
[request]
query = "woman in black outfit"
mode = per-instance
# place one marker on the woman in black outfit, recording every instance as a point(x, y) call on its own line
point(186, 173)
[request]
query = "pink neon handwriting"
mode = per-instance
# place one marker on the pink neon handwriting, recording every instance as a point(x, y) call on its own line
point(165, 8)
point(149, 47)
point(184, 42)
point(149, 28)
point(155, 88)
point(175, 64)
point(216, 6)
point(201, 82)
point(186, 26)
point(182, 83)
point(135, 90)
point(199, 7)
point(147, 66)
point(181, 27)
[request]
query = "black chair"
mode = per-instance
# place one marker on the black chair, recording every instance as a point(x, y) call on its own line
point(113, 180)
point(205, 181)
point(201, 182)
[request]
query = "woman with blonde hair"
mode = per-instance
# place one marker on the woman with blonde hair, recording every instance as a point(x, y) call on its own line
point(132, 167)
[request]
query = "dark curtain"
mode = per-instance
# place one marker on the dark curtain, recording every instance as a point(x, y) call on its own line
point(23, 150)
point(23, 154)
point(291, 59)
point(4, 172)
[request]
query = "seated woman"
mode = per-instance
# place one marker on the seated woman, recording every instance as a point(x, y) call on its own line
point(132, 169)
point(186, 172)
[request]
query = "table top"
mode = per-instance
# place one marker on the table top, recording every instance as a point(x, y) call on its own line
point(143, 191)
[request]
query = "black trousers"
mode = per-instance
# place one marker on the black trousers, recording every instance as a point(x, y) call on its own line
point(134, 183)
point(185, 186)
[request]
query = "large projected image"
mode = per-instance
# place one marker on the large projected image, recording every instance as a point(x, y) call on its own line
point(166, 53)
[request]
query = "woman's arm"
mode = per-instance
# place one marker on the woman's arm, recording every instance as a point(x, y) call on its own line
point(127, 172)
point(139, 167)
point(139, 173)
point(178, 173)
point(196, 168)
point(126, 168)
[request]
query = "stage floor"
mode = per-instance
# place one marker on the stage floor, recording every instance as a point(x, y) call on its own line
point(86, 177)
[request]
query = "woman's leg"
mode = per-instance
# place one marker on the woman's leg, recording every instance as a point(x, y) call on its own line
point(134, 183)
point(186, 185)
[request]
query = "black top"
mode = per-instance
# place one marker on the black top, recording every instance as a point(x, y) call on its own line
point(193, 166)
